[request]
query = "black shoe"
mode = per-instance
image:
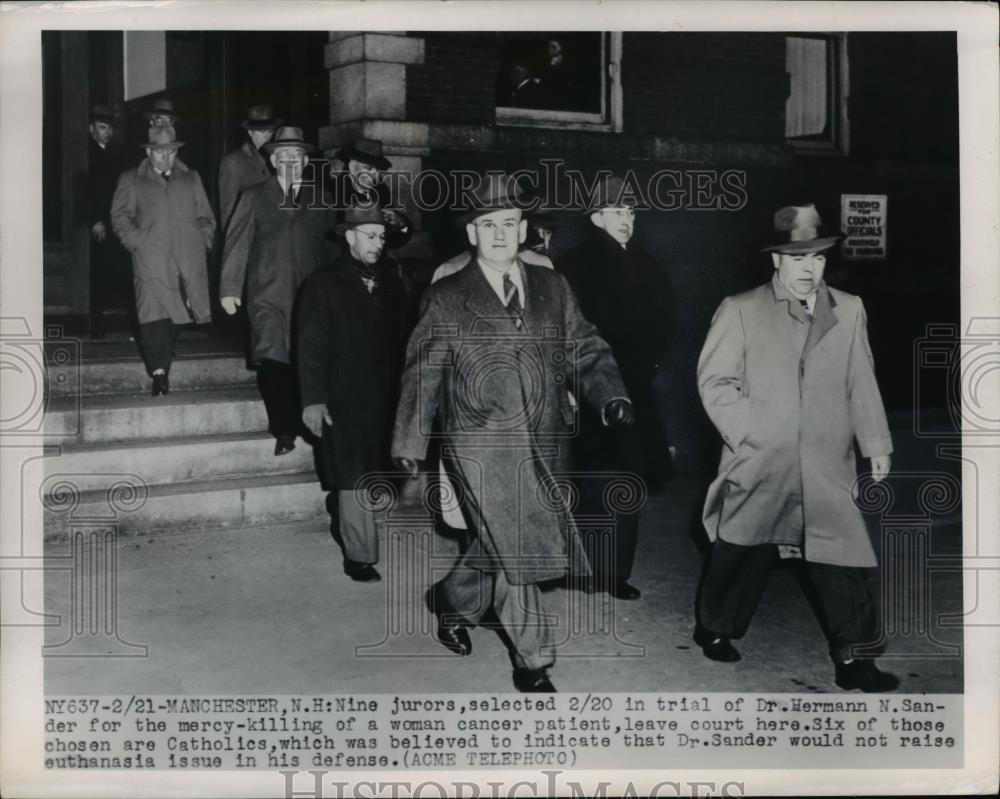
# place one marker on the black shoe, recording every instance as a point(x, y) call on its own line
point(161, 386)
point(284, 444)
point(454, 637)
point(715, 647)
point(361, 572)
point(622, 589)
point(865, 675)
point(533, 681)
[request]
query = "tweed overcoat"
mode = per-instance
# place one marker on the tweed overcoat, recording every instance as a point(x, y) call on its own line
point(167, 226)
point(501, 397)
point(240, 169)
point(790, 397)
point(272, 247)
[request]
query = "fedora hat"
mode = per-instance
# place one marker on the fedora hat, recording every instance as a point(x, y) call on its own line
point(611, 193)
point(101, 113)
point(367, 215)
point(162, 108)
point(162, 137)
point(288, 136)
point(368, 151)
point(499, 192)
point(802, 229)
point(261, 117)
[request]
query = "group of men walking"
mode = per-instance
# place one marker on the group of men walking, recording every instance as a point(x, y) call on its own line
point(516, 375)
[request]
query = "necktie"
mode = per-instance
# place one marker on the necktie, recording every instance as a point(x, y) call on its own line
point(166, 177)
point(512, 300)
point(805, 307)
point(290, 196)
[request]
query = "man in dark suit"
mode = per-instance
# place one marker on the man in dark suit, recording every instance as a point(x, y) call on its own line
point(497, 349)
point(277, 237)
point(350, 337)
point(627, 295)
point(246, 166)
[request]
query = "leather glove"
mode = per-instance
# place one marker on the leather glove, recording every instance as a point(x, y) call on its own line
point(230, 304)
point(406, 465)
point(619, 413)
point(313, 417)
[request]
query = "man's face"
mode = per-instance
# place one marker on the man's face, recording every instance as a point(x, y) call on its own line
point(800, 274)
point(364, 176)
point(619, 223)
point(161, 120)
point(289, 162)
point(163, 160)
point(496, 236)
point(101, 132)
point(261, 137)
point(366, 242)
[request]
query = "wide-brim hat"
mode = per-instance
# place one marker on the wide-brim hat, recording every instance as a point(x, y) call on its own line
point(101, 113)
point(803, 228)
point(261, 117)
point(356, 216)
point(162, 137)
point(499, 192)
point(613, 192)
point(368, 151)
point(288, 136)
point(162, 108)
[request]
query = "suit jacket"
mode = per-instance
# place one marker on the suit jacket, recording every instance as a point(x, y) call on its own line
point(103, 168)
point(239, 170)
point(501, 397)
point(168, 227)
point(350, 350)
point(271, 249)
point(790, 398)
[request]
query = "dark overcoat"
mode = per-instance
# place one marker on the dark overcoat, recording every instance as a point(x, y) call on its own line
point(240, 169)
point(349, 352)
point(271, 248)
point(501, 396)
point(790, 397)
point(168, 227)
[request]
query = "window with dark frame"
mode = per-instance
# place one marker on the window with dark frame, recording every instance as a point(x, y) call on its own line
point(816, 107)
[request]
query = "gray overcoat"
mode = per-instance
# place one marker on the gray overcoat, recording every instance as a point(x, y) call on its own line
point(240, 169)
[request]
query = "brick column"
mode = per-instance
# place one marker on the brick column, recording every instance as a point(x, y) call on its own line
point(368, 100)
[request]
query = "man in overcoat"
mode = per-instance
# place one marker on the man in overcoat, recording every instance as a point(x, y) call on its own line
point(246, 166)
point(786, 375)
point(277, 237)
point(628, 296)
point(162, 217)
point(351, 332)
point(497, 349)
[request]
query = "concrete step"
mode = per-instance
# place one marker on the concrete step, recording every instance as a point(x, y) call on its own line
point(135, 509)
point(177, 461)
point(101, 419)
point(127, 375)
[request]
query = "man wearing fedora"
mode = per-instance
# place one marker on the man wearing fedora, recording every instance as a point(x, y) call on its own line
point(497, 349)
point(277, 237)
point(361, 185)
point(628, 296)
point(245, 166)
point(351, 330)
point(162, 114)
point(162, 217)
point(787, 377)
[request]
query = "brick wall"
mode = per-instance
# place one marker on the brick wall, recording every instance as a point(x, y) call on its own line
point(457, 81)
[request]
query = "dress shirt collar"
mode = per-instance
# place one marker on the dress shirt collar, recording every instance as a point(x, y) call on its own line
point(495, 278)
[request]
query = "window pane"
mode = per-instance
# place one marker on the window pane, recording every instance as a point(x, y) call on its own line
point(556, 71)
point(806, 62)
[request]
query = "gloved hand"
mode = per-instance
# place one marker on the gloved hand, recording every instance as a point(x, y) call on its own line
point(230, 304)
point(619, 413)
point(313, 417)
point(406, 465)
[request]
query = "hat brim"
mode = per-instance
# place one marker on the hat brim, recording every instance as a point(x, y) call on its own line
point(804, 247)
point(271, 146)
point(174, 145)
point(151, 114)
point(377, 161)
point(342, 227)
point(262, 124)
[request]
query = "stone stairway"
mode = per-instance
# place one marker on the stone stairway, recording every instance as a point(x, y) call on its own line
point(199, 458)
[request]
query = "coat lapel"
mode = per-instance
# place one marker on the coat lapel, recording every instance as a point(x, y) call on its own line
point(538, 310)
point(824, 319)
point(481, 300)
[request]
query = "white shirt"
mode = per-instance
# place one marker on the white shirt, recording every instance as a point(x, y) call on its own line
point(297, 186)
point(495, 278)
point(811, 304)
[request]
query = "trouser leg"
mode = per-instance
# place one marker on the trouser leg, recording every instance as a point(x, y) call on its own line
point(358, 527)
point(733, 586)
point(158, 339)
point(278, 389)
point(847, 600)
point(519, 609)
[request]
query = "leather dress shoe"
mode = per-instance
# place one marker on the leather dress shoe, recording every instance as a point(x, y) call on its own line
point(161, 385)
point(361, 572)
point(865, 675)
point(454, 637)
point(533, 681)
point(715, 647)
point(623, 589)
point(284, 444)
